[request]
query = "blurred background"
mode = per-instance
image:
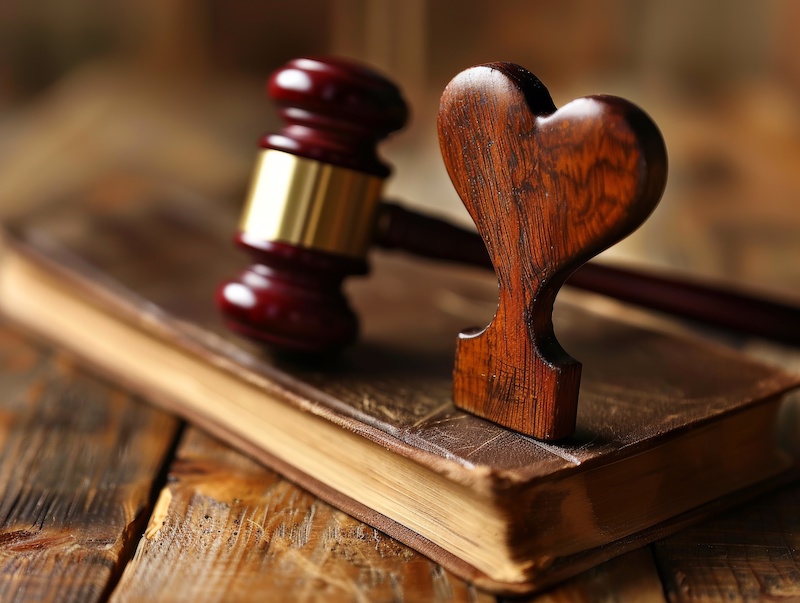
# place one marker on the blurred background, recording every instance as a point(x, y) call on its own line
point(130, 92)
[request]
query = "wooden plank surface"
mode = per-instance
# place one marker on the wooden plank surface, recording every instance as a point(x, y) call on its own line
point(79, 461)
point(629, 577)
point(749, 554)
point(227, 529)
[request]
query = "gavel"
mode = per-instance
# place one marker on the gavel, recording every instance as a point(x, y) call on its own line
point(314, 210)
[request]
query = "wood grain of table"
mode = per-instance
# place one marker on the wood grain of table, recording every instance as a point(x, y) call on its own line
point(79, 462)
point(105, 497)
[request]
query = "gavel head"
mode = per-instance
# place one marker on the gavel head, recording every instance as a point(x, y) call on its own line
point(310, 214)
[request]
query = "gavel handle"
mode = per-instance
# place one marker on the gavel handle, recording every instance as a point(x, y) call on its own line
point(400, 228)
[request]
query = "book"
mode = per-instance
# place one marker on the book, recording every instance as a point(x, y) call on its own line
point(670, 429)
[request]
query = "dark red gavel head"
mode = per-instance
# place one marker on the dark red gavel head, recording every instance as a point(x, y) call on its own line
point(311, 209)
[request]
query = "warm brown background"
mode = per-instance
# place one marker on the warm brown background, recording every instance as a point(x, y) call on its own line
point(173, 90)
point(133, 91)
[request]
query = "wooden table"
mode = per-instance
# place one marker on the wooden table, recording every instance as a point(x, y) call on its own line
point(105, 497)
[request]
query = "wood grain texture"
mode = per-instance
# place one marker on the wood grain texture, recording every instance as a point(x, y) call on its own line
point(548, 189)
point(228, 529)
point(749, 554)
point(629, 577)
point(79, 460)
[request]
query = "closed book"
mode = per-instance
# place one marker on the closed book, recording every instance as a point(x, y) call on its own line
point(669, 428)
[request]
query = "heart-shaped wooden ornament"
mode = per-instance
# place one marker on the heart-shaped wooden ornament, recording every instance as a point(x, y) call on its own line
point(548, 189)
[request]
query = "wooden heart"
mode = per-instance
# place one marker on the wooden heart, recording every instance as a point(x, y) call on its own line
point(548, 189)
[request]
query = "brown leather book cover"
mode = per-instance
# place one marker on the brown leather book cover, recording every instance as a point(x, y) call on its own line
point(668, 428)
